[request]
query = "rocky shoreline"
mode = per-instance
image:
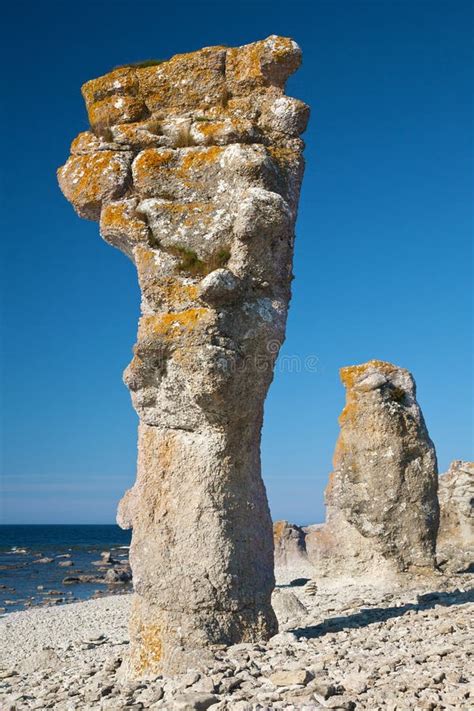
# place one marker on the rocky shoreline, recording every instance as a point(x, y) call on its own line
point(31, 579)
point(394, 645)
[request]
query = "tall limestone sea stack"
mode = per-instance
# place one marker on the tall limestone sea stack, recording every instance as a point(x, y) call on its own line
point(193, 167)
point(382, 505)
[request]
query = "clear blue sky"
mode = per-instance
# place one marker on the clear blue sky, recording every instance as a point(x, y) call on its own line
point(382, 263)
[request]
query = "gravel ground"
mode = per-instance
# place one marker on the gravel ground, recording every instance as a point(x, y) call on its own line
point(397, 647)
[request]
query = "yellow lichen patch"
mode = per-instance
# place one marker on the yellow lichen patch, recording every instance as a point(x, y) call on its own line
point(350, 374)
point(165, 172)
point(151, 163)
point(170, 326)
point(119, 220)
point(177, 293)
point(186, 81)
point(166, 451)
point(146, 654)
point(146, 648)
point(155, 158)
point(281, 48)
point(119, 81)
point(151, 650)
point(87, 179)
point(140, 134)
point(115, 109)
point(197, 159)
point(144, 258)
point(85, 142)
point(222, 131)
point(211, 129)
point(283, 155)
point(169, 292)
point(278, 529)
point(350, 410)
point(243, 63)
point(128, 132)
point(256, 66)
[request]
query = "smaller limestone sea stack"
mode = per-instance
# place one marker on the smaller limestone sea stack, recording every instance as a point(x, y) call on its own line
point(382, 505)
point(456, 527)
point(291, 558)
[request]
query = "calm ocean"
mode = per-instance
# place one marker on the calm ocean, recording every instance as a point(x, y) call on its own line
point(25, 582)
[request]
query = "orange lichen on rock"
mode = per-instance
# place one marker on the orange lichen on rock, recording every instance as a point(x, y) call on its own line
point(88, 180)
point(165, 173)
point(278, 529)
point(139, 134)
point(243, 65)
point(113, 98)
point(283, 154)
point(349, 410)
point(117, 82)
point(172, 325)
point(211, 129)
point(122, 226)
point(148, 650)
point(115, 109)
point(177, 294)
point(85, 142)
point(153, 168)
point(261, 64)
point(199, 76)
point(152, 160)
point(350, 374)
point(177, 291)
point(162, 292)
point(223, 131)
point(145, 260)
point(196, 159)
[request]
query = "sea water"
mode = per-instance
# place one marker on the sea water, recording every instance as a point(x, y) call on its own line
point(25, 582)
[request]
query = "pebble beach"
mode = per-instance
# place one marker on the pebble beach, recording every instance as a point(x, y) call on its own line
point(394, 647)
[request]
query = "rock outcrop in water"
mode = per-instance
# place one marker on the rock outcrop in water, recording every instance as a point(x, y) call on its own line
point(382, 505)
point(456, 526)
point(193, 167)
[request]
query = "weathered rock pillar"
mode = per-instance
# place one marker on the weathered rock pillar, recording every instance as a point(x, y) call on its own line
point(455, 544)
point(382, 506)
point(193, 167)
